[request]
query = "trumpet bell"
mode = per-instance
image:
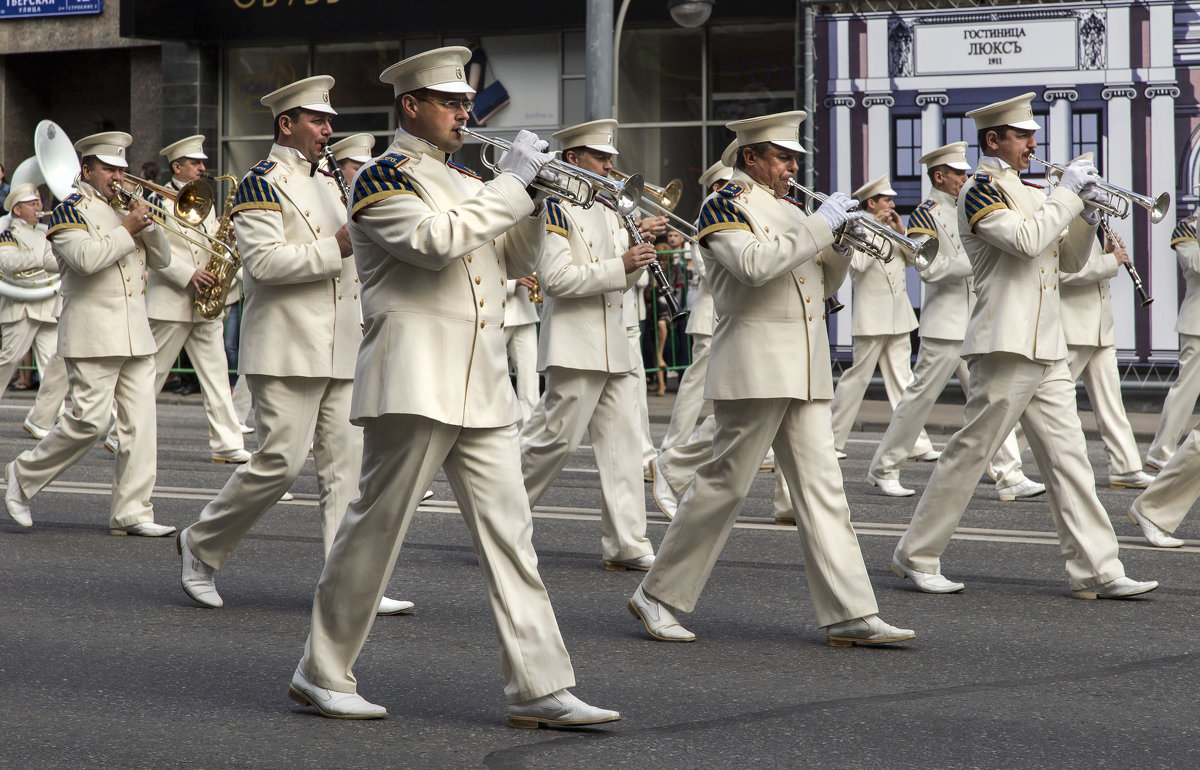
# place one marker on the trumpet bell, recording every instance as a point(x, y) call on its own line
point(631, 194)
point(925, 254)
point(670, 195)
point(194, 201)
point(1161, 207)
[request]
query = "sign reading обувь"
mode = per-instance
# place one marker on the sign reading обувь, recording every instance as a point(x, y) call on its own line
point(15, 9)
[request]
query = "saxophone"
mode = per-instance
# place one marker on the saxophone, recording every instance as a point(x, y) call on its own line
point(210, 302)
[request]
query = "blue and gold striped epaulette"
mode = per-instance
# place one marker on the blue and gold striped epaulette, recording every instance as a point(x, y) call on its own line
point(66, 216)
point(983, 176)
point(392, 160)
point(556, 218)
point(720, 213)
point(1183, 232)
point(463, 170)
point(8, 239)
point(74, 199)
point(731, 190)
point(921, 221)
point(982, 198)
point(262, 167)
point(255, 193)
point(377, 181)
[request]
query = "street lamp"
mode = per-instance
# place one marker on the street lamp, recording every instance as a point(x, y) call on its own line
point(690, 13)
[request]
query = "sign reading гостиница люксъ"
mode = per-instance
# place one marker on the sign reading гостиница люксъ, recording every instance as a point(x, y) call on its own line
point(16, 9)
point(1020, 46)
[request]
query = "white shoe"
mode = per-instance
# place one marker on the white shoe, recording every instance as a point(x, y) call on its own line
point(868, 630)
point(839, 454)
point(427, 496)
point(110, 443)
point(393, 606)
point(1158, 537)
point(890, 487)
point(197, 578)
point(927, 457)
point(331, 703)
point(245, 428)
point(1132, 480)
point(558, 708)
point(234, 456)
point(286, 497)
point(15, 500)
point(640, 564)
point(1154, 466)
point(35, 431)
point(768, 464)
point(664, 496)
point(648, 472)
point(143, 529)
point(1121, 588)
point(659, 620)
point(926, 582)
point(1027, 488)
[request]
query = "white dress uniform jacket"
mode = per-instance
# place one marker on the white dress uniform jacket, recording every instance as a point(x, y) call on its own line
point(701, 317)
point(948, 296)
point(1086, 309)
point(1187, 252)
point(881, 305)
point(24, 247)
point(169, 295)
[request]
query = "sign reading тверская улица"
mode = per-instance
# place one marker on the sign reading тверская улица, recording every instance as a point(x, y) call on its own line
point(15, 9)
point(1014, 46)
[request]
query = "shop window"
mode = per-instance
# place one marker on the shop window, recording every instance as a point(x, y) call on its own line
point(1086, 136)
point(661, 75)
point(906, 134)
point(753, 72)
point(252, 73)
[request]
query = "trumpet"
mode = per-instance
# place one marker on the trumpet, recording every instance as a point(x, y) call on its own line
point(1119, 200)
point(661, 201)
point(879, 241)
point(190, 205)
point(572, 184)
point(1144, 298)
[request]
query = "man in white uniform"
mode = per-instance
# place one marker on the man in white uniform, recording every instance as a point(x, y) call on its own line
point(434, 245)
point(520, 341)
point(948, 300)
point(301, 287)
point(1019, 240)
point(882, 319)
point(1177, 411)
point(770, 267)
point(586, 266)
point(33, 321)
point(103, 248)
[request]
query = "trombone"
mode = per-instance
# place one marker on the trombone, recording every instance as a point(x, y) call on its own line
point(1119, 199)
point(191, 204)
point(878, 240)
point(572, 184)
point(661, 201)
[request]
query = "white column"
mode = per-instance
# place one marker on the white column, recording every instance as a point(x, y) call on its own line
point(839, 106)
point(932, 132)
point(1162, 281)
point(879, 135)
point(1118, 169)
point(1060, 123)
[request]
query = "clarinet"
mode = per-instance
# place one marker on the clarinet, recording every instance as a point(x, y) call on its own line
point(1144, 298)
point(338, 176)
point(660, 278)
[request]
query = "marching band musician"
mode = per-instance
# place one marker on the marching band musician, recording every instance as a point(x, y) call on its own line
point(25, 323)
point(103, 247)
point(882, 318)
point(586, 265)
point(521, 340)
point(300, 285)
point(1180, 402)
point(174, 320)
point(1016, 353)
point(1087, 321)
point(435, 246)
point(944, 313)
point(769, 268)
point(352, 152)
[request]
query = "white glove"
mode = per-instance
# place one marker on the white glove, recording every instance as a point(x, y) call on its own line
point(1078, 175)
point(526, 157)
point(836, 210)
point(1093, 194)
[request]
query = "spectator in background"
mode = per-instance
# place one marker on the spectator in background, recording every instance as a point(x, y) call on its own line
point(5, 189)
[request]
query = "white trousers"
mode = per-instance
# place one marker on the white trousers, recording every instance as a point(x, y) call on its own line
point(604, 405)
point(243, 402)
point(1170, 496)
point(18, 337)
point(1097, 366)
point(205, 345)
point(401, 455)
point(1006, 388)
point(649, 451)
point(744, 430)
point(1177, 417)
point(891, 352)
point(292, 413)
point(94, 385)
point(521, 342)
point(689, 399)
point(937, 361)
point(679, 464)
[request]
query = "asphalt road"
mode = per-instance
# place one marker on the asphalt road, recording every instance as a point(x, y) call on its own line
point(104, 662)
